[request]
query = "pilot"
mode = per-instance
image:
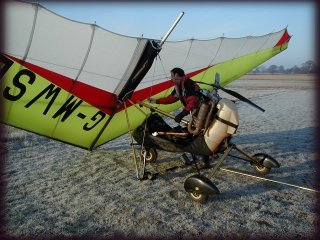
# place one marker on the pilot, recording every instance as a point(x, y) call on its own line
point(184, 90)
point(187, 91)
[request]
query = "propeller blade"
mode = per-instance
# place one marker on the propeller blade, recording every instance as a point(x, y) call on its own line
point(240, 97)
point(216, 85)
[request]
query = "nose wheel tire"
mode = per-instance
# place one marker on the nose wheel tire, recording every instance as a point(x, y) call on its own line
point(198, 197)
point(258, 167)
point(262, 170)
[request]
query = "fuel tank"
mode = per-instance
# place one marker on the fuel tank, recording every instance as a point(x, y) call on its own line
point(224, 124)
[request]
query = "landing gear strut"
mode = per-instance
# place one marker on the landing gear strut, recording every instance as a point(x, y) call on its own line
point(200, 187)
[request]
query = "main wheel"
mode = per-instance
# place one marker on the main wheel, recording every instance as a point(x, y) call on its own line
point(198, 197)
point(151, 154)
point(258, 167)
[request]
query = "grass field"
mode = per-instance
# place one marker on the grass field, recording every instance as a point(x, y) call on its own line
point(56, 190)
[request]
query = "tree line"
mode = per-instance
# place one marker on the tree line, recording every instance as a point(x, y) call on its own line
point(308, 67)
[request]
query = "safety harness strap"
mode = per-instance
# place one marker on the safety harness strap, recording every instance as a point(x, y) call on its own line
point(226, 122)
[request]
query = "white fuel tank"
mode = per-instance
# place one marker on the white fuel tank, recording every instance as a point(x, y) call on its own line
point(224, 124)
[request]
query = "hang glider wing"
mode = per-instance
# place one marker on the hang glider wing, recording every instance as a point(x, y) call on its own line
point(202, 59)
point(71, 81)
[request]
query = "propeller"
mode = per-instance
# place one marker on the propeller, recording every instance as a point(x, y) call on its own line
point(216, 85)
point(240, 97)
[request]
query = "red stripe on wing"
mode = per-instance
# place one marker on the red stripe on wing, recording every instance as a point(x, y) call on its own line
point(103, 100)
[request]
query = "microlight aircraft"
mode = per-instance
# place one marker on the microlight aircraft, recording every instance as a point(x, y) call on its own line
point(84, 85)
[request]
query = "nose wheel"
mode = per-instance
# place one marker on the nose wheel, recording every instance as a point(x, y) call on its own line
point(199, 188)
point(263, 163)
point(260, 169)
point(198, 197)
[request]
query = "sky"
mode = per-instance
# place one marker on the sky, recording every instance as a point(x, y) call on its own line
point(203, 20)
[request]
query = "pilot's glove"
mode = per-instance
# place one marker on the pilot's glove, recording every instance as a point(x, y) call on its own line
point(179, 117)
point(152, 100)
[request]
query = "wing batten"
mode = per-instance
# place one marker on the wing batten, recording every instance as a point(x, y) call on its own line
point(32, 32)
point(87, 54)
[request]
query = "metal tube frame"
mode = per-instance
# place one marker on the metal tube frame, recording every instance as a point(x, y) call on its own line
point(221, 160)
point(232, 146)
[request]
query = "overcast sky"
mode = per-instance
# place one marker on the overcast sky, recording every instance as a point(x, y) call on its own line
point(203, 20)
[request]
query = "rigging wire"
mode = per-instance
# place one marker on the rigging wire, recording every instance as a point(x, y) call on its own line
point(240, 48)
point(144, 155)
point(165, 73)
point(267, 39)
point(144, 132)
point(143, 139)
point(153, 74)
point(269, 180)
point(131, 140)
point(137, 108)
point(218, 51)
